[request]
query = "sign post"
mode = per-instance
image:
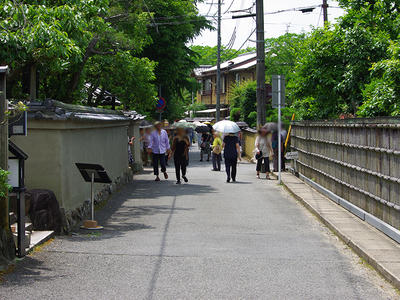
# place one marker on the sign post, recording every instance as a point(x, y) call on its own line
point(278, 100)
point(160, 105)
point(92, 173)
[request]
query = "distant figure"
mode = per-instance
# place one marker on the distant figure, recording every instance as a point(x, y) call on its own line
point(216, 152)
point(263, 150)
point(275, 143)
point(159, 146)
point(180, 151)
point(231, 155)
point(144, 143)
point(205, 146)
point(130, 155)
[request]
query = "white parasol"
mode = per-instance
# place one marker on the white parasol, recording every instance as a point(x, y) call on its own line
point(226, 126)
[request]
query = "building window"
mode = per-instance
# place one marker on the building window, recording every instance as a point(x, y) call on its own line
point(206, 86)
point(223, 84)
point(237, 78)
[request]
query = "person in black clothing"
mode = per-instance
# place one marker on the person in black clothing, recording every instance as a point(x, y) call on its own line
point(206, 140)
point(231, 155)
point(180, 151)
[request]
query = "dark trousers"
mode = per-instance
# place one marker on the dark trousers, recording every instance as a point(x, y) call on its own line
point(156, 159)
point(180, 165)
point(276, 160)
point(230, 167)
point(216, 160)
point(266, 163)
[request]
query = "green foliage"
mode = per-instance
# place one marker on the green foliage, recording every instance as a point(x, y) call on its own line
point(243, 97)
point(382, 95)
point(252, 119)
point(348, 68)
point(4, 186)
point(235, 114)
point(286, 115)
point(196, 107)
point(175, 61)
point(118, 46)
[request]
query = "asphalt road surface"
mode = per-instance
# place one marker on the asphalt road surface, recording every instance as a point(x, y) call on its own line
point(203, 240)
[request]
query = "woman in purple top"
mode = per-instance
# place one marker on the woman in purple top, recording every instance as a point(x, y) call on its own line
point(159, 146)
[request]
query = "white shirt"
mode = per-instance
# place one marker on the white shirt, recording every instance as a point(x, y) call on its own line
point(261, 144)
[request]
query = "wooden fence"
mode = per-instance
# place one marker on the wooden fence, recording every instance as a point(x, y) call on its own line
point(357, 159)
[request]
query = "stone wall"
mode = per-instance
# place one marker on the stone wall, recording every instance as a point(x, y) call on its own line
point(58, 138)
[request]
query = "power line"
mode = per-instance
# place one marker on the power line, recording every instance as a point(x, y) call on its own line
point(229, 7)
point(240, 48)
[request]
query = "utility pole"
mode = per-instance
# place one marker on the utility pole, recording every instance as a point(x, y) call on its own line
point(218, 88)
point(325, 10)
point(260, 68)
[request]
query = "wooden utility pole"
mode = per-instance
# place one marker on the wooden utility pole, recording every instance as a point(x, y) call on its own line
point(260, 68)
point(325, 10)
point(218, 87)
point(7, 247)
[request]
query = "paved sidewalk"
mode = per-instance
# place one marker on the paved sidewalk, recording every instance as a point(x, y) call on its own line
point(204, 240)
point(376, 248)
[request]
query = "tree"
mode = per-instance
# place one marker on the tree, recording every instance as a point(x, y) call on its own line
point(174, 24)
point(334, 76)
point(59, 39)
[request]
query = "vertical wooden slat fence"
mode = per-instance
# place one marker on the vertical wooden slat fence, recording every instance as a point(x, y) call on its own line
point(357, 159)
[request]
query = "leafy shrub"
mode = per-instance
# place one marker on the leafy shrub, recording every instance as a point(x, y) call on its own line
point(235, 114)
point(252, 119)
point(4, 186)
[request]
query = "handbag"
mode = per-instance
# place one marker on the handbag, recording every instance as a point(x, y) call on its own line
point(259, 155)
point(217, 149)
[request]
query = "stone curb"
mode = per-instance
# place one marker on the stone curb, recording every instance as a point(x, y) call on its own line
point(387, 274)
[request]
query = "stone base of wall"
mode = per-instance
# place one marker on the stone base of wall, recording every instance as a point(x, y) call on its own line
point(7, 248)
point(72, 219)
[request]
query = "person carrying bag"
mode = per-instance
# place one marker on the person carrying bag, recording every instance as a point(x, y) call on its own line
point(263, 150)
point(216, 152)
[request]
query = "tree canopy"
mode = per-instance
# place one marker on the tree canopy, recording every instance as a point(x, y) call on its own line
point(128, 48)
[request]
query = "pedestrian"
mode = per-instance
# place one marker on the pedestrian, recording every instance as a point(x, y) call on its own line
point(263, 151)
point(231, 155)
point(216, 152)
point(205, 146)
point(158, 147)
point(198, 136)
point(170, 137)
point(180, 152)
point(130, 156)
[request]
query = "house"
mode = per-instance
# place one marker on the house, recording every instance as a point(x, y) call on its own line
point(233, 71)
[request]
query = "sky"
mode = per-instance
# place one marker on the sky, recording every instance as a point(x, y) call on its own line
point(274, 24)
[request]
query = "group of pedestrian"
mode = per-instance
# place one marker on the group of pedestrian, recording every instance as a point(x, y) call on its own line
point(161, 147)
point(266, 148)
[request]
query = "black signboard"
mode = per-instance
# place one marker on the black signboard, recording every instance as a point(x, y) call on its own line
point(86, 170)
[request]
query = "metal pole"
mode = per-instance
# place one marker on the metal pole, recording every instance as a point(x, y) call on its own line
point(92, 195)
point(21, 223)
point(279, 130)
point(192, 110)
point(218, 88)
point(260, 68)
point(325, 10)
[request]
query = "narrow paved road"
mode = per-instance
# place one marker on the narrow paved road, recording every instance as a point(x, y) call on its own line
point(202, 240)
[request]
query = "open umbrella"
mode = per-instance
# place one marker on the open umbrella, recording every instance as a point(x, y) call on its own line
point(203, 128)
point(145, 124)
point(184, 124)
point(271, 126)
point(226, 126)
